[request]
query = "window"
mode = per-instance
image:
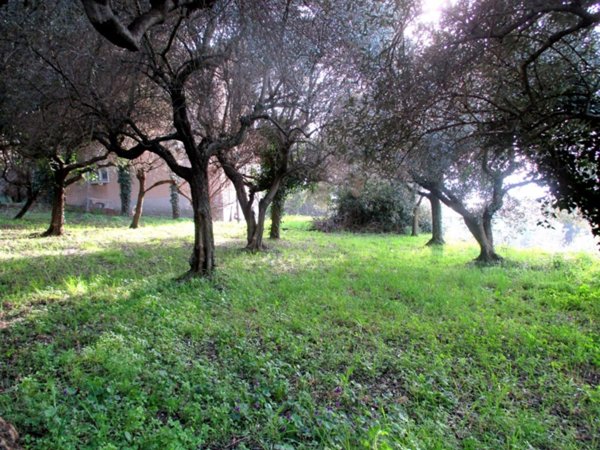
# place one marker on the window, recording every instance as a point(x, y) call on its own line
point(100, 176)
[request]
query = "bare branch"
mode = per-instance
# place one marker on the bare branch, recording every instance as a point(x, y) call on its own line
point(158, 183)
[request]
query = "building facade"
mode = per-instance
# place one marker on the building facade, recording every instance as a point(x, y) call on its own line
point(101, 192)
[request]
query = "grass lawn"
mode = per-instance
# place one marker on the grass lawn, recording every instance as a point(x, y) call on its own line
point(332, 341)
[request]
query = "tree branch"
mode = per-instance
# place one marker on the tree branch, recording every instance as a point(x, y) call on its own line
point(105, 21)
point(158, 183)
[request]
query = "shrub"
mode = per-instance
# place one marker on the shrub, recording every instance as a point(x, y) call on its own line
point(381, 207)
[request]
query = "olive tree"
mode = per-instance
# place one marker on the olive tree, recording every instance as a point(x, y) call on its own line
point(187, 64)
point(37, 109)
point(542, 80)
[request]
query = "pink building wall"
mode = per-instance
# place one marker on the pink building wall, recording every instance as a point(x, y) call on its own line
point(90, 195)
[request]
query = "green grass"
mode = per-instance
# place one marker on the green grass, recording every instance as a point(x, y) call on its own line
point(325, 341)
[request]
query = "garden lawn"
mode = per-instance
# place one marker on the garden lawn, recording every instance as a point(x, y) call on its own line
point(333, 341)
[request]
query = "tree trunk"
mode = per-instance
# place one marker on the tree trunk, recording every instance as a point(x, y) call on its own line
point(276, 214)
point(174, 201)
point(245, 199)
point(139, 206)
point(255, 242)
point(482, 233)
point(415, 222)
point(487, 227)
point(251, 223)
point(202, 260)
point(124, 179)
point(437, 233)
point(31, 198)
point(57, 220)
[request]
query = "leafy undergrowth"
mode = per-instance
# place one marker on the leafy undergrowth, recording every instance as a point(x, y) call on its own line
point(325, 341)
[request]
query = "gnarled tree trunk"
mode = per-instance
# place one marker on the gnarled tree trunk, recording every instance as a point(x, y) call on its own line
point(255, 241)
point(9, 437)
point(202, 259)
point(482, 232)
point(437, 232)
point(246, 205)
point(245, 199)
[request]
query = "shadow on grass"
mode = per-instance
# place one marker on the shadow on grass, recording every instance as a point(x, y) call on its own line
point(31, 275)
point(112, 300)
point(65, 304)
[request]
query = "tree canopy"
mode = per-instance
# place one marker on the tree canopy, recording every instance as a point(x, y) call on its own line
point(278, 90)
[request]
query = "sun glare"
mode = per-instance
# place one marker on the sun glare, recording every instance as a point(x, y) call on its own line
point(430, 15)
point(431, 10)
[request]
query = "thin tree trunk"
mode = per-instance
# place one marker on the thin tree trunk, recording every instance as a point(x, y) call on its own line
point(139, 206)
point(202, 260)
point(31, 198)
point(415, 218)
point(245, 199)
point(174, 200)
point(57, 219)
point(437, 233)
point(415, 222)
point(277, 209)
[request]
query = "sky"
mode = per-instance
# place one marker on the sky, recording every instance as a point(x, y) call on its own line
point(432, 10)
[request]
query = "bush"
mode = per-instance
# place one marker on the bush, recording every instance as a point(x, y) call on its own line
point(380, 207)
